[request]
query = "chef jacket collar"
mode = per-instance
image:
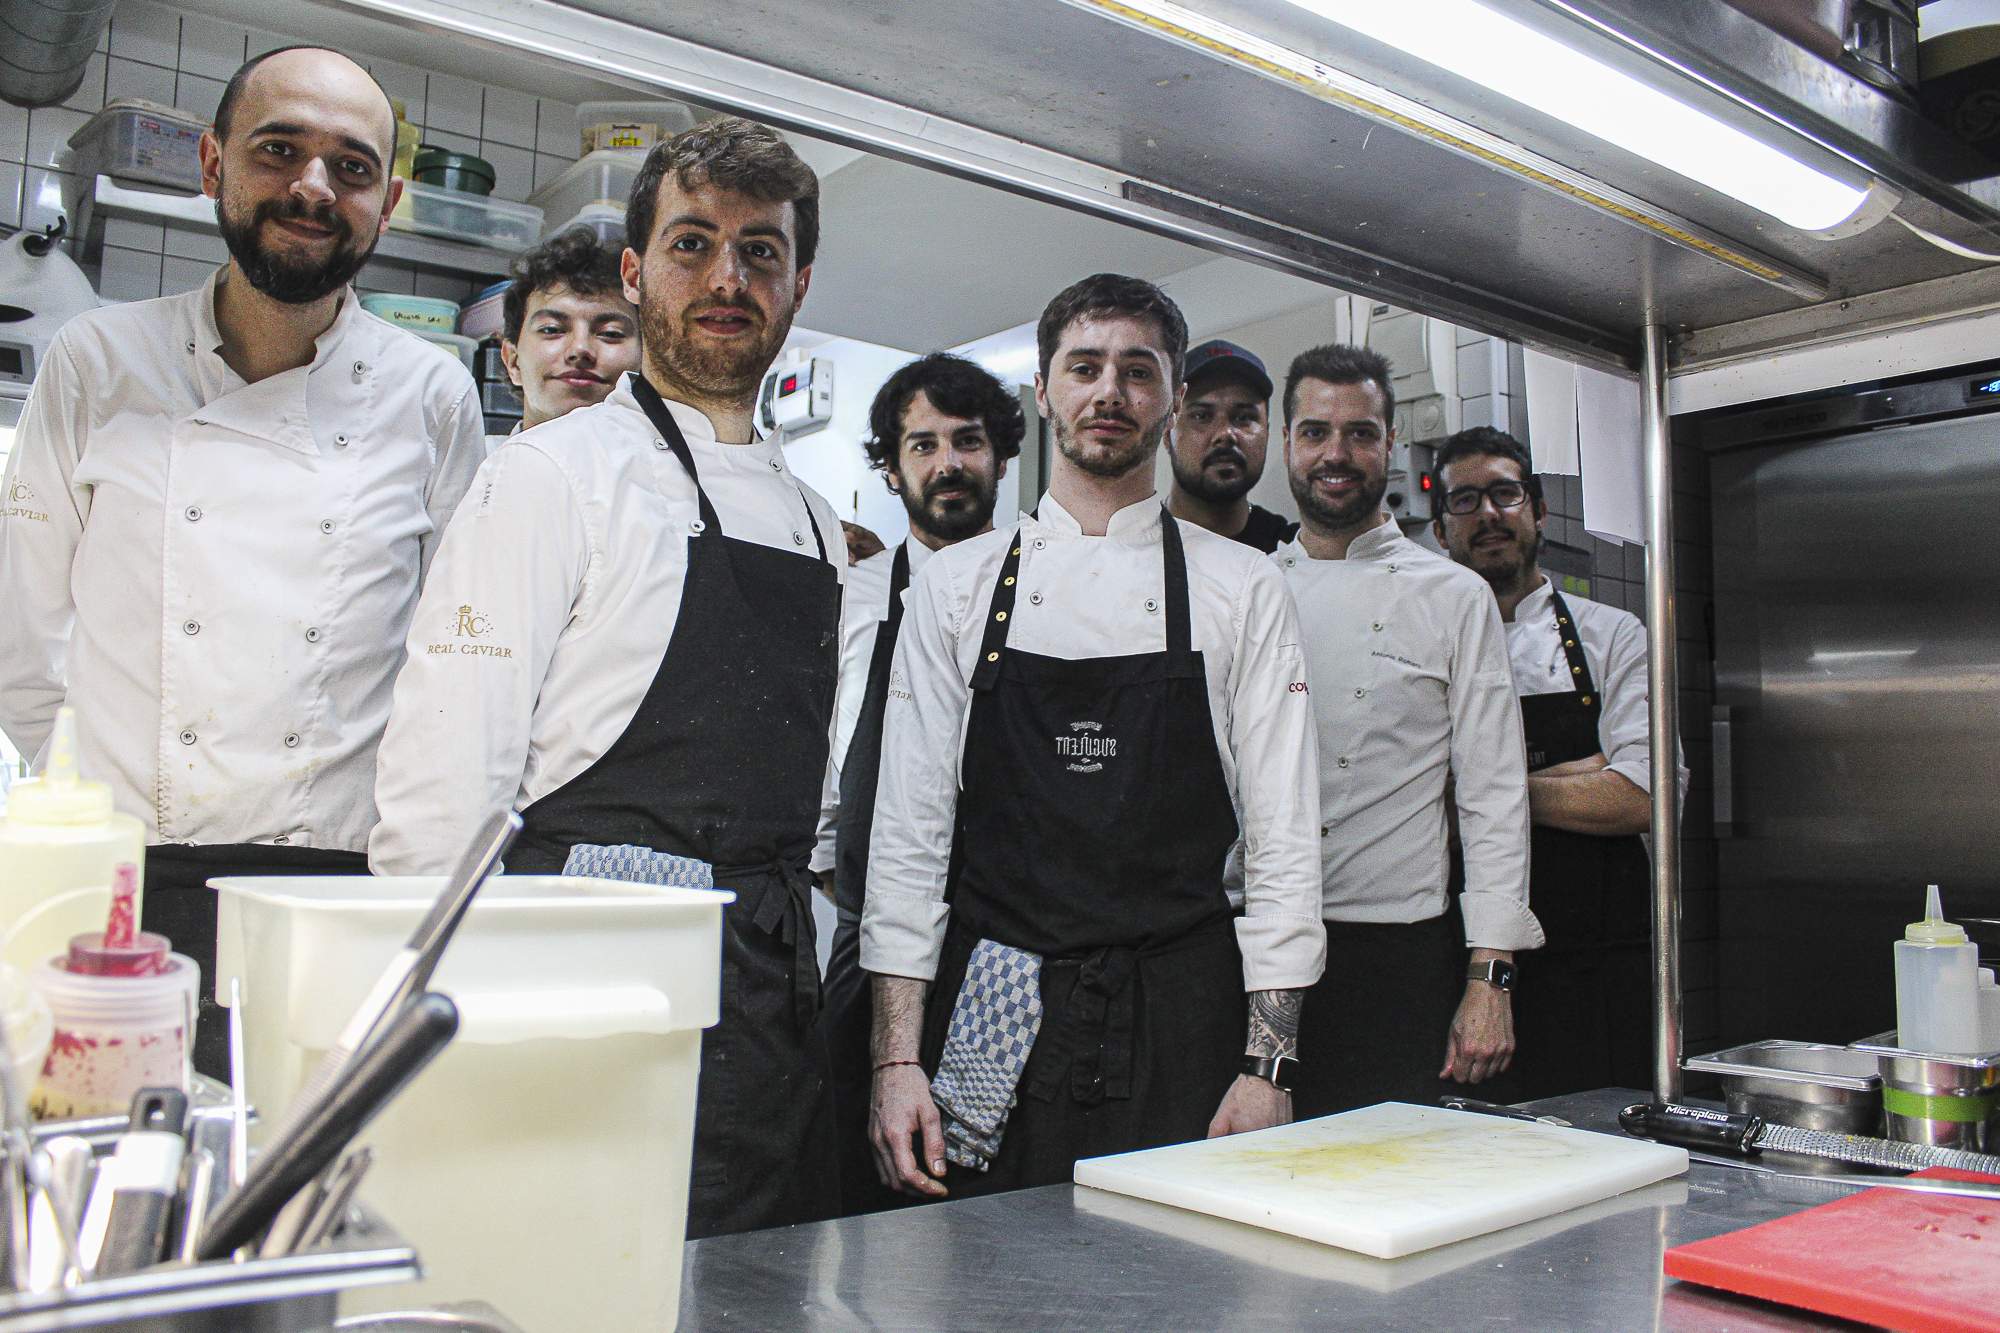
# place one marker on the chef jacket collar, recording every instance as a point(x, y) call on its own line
point(920, 554)
point(1532, 605)
point(272, 409)
point(698, 429)
point(1377, 541)
point(1137, 524)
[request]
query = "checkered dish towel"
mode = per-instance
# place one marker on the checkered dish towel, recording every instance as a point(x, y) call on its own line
point(638, 865)
point(993, 1027)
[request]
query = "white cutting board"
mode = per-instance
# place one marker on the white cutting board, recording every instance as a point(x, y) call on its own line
point(1389, 1180)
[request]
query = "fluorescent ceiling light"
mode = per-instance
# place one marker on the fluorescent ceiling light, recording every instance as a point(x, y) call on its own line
point(1528, 66)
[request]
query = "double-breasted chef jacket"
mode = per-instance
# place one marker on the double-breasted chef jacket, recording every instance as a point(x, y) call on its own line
point(631, 634)
point(218, 576)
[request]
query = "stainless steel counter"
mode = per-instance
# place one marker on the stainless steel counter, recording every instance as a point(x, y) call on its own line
point(1063, 1257)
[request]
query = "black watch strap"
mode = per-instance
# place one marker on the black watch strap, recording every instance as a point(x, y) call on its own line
point(1277, 1070)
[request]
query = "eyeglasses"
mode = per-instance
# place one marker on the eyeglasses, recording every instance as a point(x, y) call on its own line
point(1462, 500)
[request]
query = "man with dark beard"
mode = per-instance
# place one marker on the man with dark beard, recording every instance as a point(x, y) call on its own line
point(1218, 443)
point(1580, 669)
point(1082, 714)
point(631, 634)
point(941, 432)
point(237, 492)
point(1410, 683)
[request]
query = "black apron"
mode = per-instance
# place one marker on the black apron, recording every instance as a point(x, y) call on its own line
point(179, 904)
point(850, 1008)
point(1093, 821)
point(1582, 1011)
point(723, 761)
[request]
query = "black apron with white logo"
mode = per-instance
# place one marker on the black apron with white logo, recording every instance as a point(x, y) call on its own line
point(723, 761)
point(850, 1010)
point(1582, 1012)
point(1093, 821)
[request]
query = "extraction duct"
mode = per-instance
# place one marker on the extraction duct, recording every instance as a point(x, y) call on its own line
point(45, 45)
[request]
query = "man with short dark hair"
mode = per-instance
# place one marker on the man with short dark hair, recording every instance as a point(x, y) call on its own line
point(1083, 714)
point(236, 492)
point(632, 636)
point(568, 333)
point(1218, 444)
point(941, 432)
point(1584, 1011)
point(1410, 683)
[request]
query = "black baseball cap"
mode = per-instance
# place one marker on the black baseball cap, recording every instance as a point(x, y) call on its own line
point(1219, 357)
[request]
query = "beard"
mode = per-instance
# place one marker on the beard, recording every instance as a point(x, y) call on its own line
point(1504, 566)
point(1196, 481)
point(1112, 460)
point(687, 357)
point(290, 279)
point(1337, 514)
point(952, 518)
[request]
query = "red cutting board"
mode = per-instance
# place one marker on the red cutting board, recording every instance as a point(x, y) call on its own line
point(1890, 1257)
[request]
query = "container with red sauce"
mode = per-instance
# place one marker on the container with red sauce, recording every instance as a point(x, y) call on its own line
point(124, 1020)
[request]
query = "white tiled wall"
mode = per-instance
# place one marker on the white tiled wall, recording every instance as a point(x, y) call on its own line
point(183, 60)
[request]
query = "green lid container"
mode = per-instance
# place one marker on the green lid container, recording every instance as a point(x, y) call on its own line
point(454, 171)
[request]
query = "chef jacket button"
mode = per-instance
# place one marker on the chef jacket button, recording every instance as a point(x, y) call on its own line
point(1392, 569)
point(1035, 597)
point(190, 344)
point(776, 466)
point(992, 657)
point(1325, 830)
point(312, 634)
point(697, 527)
point(659, 444)
point(193, 513)
point(1008, 581)
point(191, 627)
point(1290, 561)
point(797, 538)
point(340, 441)
point(187, 736)
point(1378, 627)
point(1576, 671)
point(282, 840)
point(291, 740)
point(1360, 693)
point(1039, 543)
point(360, 369)
point(326, 525)
point(1152, 604)
point(1343, 761)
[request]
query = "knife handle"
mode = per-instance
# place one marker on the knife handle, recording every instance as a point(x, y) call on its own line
point(1694, 1127)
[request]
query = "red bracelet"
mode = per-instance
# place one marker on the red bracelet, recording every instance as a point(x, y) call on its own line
point(891, 1064)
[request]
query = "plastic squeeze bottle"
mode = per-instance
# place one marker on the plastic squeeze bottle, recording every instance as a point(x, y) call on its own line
point(59, 835)
point(1937, 985)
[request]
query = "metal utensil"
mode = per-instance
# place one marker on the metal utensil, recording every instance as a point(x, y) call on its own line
point(1748, 1135)
point(331, 1215)
point(1473, 1104)
point(409, 972)
point(239, 1094)
point(61, 1169)
point(1970, 1189)
point(17, 1137)
point(296, 1156)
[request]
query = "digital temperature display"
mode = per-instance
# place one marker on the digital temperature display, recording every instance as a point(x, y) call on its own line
point(1988, 387)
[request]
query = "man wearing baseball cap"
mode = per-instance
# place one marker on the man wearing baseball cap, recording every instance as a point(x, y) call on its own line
point(1218, 443)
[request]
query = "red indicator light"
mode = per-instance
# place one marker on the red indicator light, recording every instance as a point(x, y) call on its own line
point(1424, 481)
point(791, 383)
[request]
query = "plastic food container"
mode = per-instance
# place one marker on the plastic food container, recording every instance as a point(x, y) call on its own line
point(114, 1035)
point(606, 221)
point(604, 177)
point(412, 312)
point(465, 349)
point(140, 141)
point(454, 215)
point(30, 1026)
point(542, 1162)
point(1799, 1083)
point(454, 171)
point(602, 125)
point(485, 316)
point(499, 398)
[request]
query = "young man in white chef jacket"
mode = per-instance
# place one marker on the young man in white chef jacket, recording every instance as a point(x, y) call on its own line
point(941, 431)
point(632, 634)
point(1584, 1012)
point(236, 492)
point(1416, 709)
point(1084, 713)
point(568, 333)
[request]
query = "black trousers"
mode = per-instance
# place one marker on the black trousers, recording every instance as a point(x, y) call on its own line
point(1374, 1027)
point(180, 905)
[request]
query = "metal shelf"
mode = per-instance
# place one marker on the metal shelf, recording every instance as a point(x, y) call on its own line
point(112, 199)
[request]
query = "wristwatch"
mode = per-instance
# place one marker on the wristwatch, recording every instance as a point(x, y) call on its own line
point(1277, 1070)
point(1492, 970)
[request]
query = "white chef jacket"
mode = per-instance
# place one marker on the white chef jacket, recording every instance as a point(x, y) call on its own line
point(1614, 647)
point(1409, 676)
point(218, 575)
point(550, 607)
point(863, 608)
point(1084, 597)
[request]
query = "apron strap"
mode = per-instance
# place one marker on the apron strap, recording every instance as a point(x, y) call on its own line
point(1572, 642)
point(657, 412)
point(785, 912)
point(1180, 632)
point(899, 583)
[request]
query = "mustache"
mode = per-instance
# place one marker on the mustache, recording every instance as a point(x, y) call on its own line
point(747, 308)
point(294, 209)
point(1227, 453)
point(1326, 472)
point(1106, 418)
point(948, 481)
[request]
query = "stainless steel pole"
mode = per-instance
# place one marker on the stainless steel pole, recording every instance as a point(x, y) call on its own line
point(1664, 715)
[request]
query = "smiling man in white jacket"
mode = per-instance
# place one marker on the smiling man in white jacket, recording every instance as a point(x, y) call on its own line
point(225, 501)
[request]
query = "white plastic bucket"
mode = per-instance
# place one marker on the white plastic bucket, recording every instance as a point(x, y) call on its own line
point(541, 1164)
point(113, 1036)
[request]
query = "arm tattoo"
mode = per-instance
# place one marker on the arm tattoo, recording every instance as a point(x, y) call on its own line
point(1274, 1023)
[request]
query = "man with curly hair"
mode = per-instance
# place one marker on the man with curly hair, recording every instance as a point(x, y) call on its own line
point(941, 433)
point(568, 331)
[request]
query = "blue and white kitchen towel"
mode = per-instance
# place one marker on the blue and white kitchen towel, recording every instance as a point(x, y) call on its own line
point(993, 1029)
point(638, 865)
